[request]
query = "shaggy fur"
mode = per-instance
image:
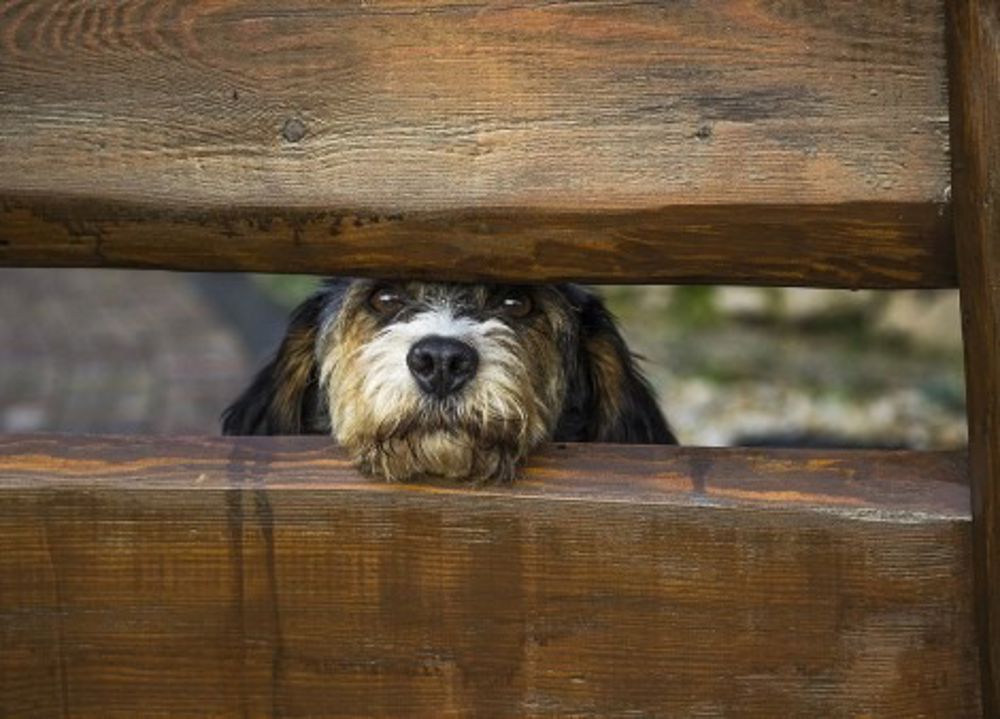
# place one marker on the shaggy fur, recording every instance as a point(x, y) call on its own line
point(550, 364)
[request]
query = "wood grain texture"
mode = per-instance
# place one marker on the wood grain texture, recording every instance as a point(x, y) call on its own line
point(862, 245)
point(975, 101)
point(262, 577)
point(516, 140)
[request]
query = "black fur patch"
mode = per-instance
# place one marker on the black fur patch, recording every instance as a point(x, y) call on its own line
point(587, 415)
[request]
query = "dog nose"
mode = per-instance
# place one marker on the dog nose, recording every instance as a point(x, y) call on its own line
point(442, 365)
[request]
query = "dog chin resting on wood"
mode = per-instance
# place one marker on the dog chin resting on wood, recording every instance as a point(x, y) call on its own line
point(450, 380)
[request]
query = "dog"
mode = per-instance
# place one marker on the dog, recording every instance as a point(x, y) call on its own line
point(456, 381)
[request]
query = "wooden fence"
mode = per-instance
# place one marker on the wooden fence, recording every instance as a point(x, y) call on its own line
point(738, 141)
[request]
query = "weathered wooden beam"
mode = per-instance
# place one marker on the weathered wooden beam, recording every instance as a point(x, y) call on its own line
point(263, 577)
point(856, 246)
point(974, 30)
point(667, 142)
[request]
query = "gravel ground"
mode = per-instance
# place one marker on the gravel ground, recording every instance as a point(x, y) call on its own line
point(802, 367)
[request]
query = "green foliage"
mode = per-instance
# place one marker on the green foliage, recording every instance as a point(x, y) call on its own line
point(287, 290)
point(694, 306)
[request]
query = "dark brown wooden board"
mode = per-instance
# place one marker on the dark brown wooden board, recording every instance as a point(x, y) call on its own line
point(667, 142)
point(975, 101)
point(861, 245)
point(263, 577)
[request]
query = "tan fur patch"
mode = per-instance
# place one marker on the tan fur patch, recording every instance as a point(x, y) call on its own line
point(608, 377)
point(295, 366)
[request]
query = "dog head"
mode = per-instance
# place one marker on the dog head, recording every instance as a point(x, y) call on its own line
point(450, 380)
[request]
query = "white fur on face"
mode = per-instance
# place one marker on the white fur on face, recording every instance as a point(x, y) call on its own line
point(372, 394)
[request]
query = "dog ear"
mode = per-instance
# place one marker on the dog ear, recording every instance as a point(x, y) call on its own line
point(609, 398)
point(284, 397)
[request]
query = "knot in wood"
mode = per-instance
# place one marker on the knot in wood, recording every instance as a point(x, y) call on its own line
point(293, 130)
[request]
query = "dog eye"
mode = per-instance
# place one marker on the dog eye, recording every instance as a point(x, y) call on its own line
point(386, 301)
point(515, 304)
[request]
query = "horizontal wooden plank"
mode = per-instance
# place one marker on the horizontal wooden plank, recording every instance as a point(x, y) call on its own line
point(857, 246)
point(673, 142)
point(263, 577)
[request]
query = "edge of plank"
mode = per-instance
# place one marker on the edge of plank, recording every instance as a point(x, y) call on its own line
point(871, 485)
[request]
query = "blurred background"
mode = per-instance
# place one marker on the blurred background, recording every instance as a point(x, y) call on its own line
point(115, 351)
